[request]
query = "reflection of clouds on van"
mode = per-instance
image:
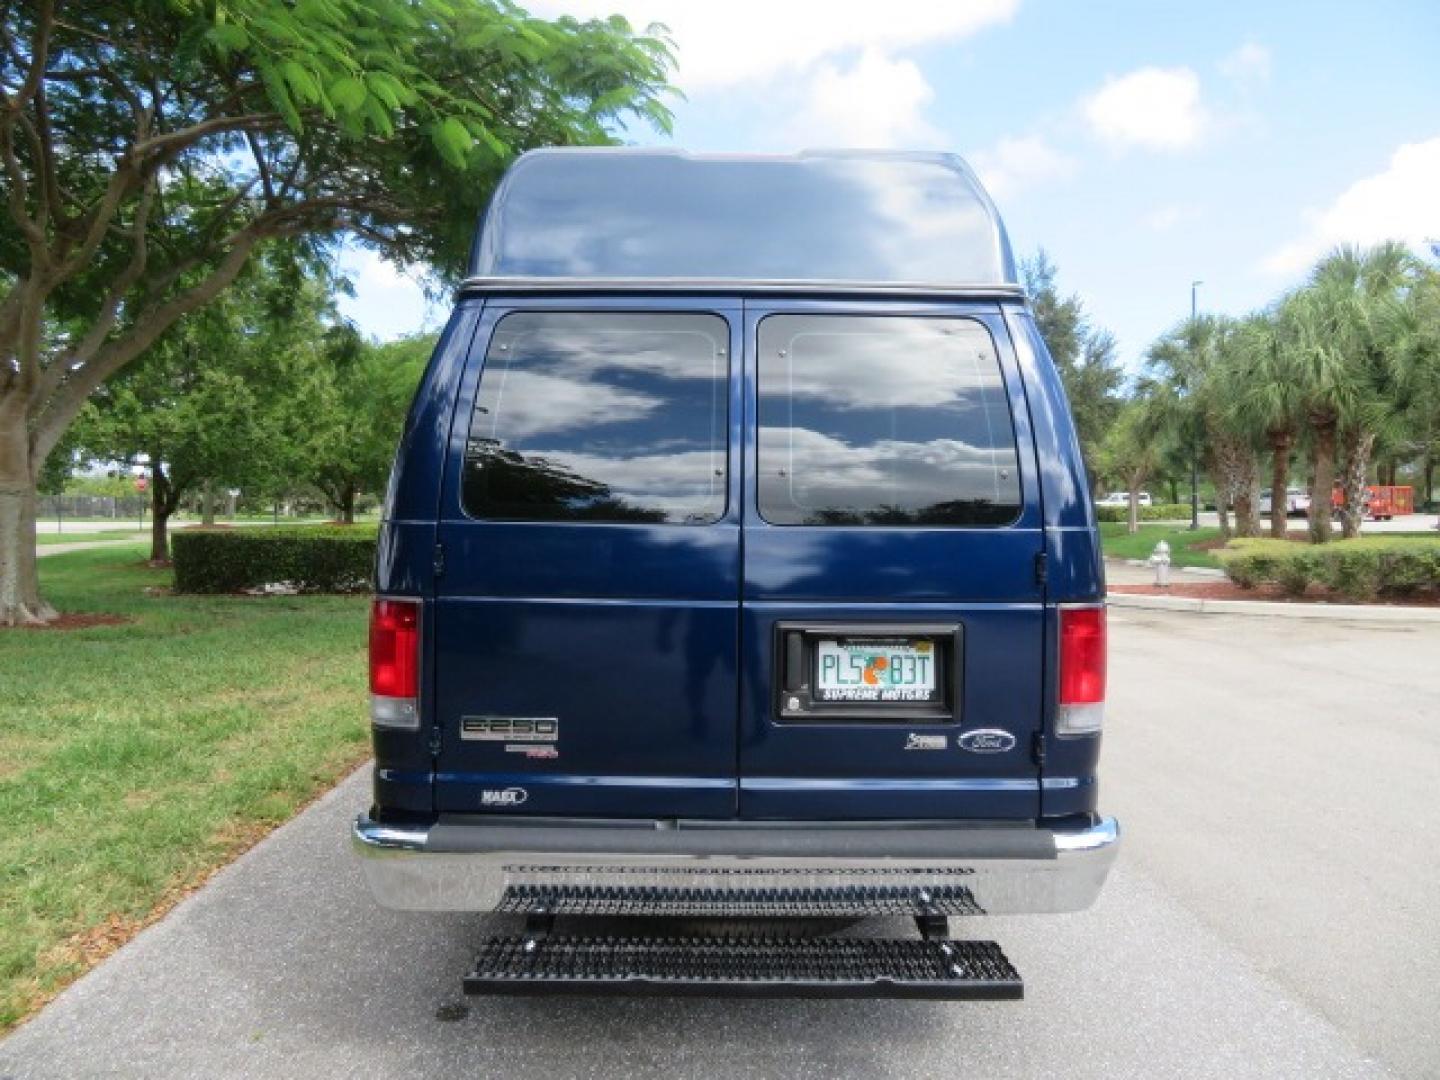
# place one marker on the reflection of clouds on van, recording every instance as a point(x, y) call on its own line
point(541, 404)
point(886, 421)
point(601, 416)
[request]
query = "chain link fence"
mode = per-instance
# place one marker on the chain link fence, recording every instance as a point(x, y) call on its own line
point(118, 508)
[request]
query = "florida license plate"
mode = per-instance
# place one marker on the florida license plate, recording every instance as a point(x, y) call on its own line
point(875, 669)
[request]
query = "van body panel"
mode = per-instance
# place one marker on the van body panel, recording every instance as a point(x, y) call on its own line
point(623, 634)
point(982, 580)
point(1075, 567)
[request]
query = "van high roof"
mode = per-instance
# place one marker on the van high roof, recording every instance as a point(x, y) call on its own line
point(833, 219)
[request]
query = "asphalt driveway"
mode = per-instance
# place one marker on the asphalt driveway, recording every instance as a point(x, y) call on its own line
point(1267, 918)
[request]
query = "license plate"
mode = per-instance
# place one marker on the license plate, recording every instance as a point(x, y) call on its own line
point(875, 669)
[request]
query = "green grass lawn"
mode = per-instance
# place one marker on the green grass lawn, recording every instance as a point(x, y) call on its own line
point(1119, 544)
point(135, 759)
point(46, 539)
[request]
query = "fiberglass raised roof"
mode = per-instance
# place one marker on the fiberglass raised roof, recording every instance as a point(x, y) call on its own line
point(873, 218)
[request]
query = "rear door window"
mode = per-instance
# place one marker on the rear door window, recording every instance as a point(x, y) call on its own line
point(878, 420)
point(617, 416)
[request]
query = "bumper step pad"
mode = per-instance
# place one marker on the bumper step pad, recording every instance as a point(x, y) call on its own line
point(780, 903)
point(745, 967)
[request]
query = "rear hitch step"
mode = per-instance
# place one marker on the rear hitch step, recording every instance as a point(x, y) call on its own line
point(933, 966)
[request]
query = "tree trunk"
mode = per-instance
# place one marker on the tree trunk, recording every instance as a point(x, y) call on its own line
point(20, 601)
point(347, 504)
point(1322, 481)
point(1220, 466)
point(1358, 445)
point(207, 504)
point(1279, 481)
point(1132, 518)
point(1174, 490)
point(1247, 493)
point(1429, 471)
point(160, 507)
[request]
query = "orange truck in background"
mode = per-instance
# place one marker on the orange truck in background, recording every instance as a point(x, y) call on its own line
point(1382, 501)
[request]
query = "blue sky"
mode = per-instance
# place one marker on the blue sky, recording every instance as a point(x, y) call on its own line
point(1143, 144)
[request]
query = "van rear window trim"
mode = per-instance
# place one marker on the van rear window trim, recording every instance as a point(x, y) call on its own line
point(725, 450)
point(1015, 428)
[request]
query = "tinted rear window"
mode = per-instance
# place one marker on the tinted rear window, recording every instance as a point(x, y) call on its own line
point(601, 417)
point(872, 420)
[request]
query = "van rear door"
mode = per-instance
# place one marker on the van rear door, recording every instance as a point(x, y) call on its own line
point(586, 615)
point(892, 628)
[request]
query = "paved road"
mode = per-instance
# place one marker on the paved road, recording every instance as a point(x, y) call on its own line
point(1269, 917)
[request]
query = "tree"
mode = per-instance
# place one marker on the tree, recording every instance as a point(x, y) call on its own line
point(151, 147)
point(213, 403)
point(1083, 353)
point(1264, 393)
point(1194, 367)
point(1419, 381)
point(358, 399)
point(1347, 345)
point(1134, 446)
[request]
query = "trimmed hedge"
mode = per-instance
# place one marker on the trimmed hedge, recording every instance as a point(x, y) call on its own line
point(1158, 512)
point(306, 558)
point(1361, 569)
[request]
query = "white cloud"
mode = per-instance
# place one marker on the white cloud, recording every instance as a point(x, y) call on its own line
point(1155, 108)
point(1016, 163)
point(876, 102)
point(388, 302)
point(1400, 203)
point(724, 44)
point(1250, 63)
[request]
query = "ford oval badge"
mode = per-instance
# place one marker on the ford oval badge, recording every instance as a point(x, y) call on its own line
point(988, 740)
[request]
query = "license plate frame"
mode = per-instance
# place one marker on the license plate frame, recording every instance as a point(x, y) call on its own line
point(801, 697)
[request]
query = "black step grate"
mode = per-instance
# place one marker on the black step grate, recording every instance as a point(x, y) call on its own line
point(798, 902)
point(745, 967)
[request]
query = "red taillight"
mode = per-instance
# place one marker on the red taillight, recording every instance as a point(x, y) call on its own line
point(395, 648)
point(1082, 670)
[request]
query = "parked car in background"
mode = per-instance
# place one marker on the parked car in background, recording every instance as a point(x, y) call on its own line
point(738, 563)
point(1297, 502)
point(1122, 498)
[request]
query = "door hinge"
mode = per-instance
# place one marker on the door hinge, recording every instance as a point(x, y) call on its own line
point(1042, 568)
point(1037, 748)
point(435, 740)
point(437, 560)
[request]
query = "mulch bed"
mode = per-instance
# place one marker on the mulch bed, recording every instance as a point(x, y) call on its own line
point(1226, 590)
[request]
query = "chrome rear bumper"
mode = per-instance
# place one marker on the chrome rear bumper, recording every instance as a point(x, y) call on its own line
point(460, 867)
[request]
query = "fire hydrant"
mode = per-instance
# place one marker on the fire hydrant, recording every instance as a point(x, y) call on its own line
point(1160, 560)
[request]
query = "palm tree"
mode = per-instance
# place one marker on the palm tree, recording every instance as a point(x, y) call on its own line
point(1134, 444)
point(1263, 394)
point(1190, 367)
point(1355, 360)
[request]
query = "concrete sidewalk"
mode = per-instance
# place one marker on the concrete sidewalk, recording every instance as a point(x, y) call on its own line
point(42, 550)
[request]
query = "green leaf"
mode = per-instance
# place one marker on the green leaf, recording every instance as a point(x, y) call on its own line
point(227, 37)
point(348, 93)
point(453, 140)
point(306, 89)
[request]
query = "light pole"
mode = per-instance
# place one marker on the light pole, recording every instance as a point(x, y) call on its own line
point(1195, 450)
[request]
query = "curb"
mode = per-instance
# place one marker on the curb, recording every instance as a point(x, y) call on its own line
point(1194, 571)
point(1275, 609)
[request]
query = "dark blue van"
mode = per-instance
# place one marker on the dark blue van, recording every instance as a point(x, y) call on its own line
point(738, 563)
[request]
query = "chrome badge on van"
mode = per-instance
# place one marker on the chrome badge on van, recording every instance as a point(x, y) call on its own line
point(988, 740)
point(510, 796)
point(925, 742)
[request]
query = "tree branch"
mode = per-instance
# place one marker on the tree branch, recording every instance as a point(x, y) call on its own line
point(65, 403)
point(109, 310)
point(39, 56)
